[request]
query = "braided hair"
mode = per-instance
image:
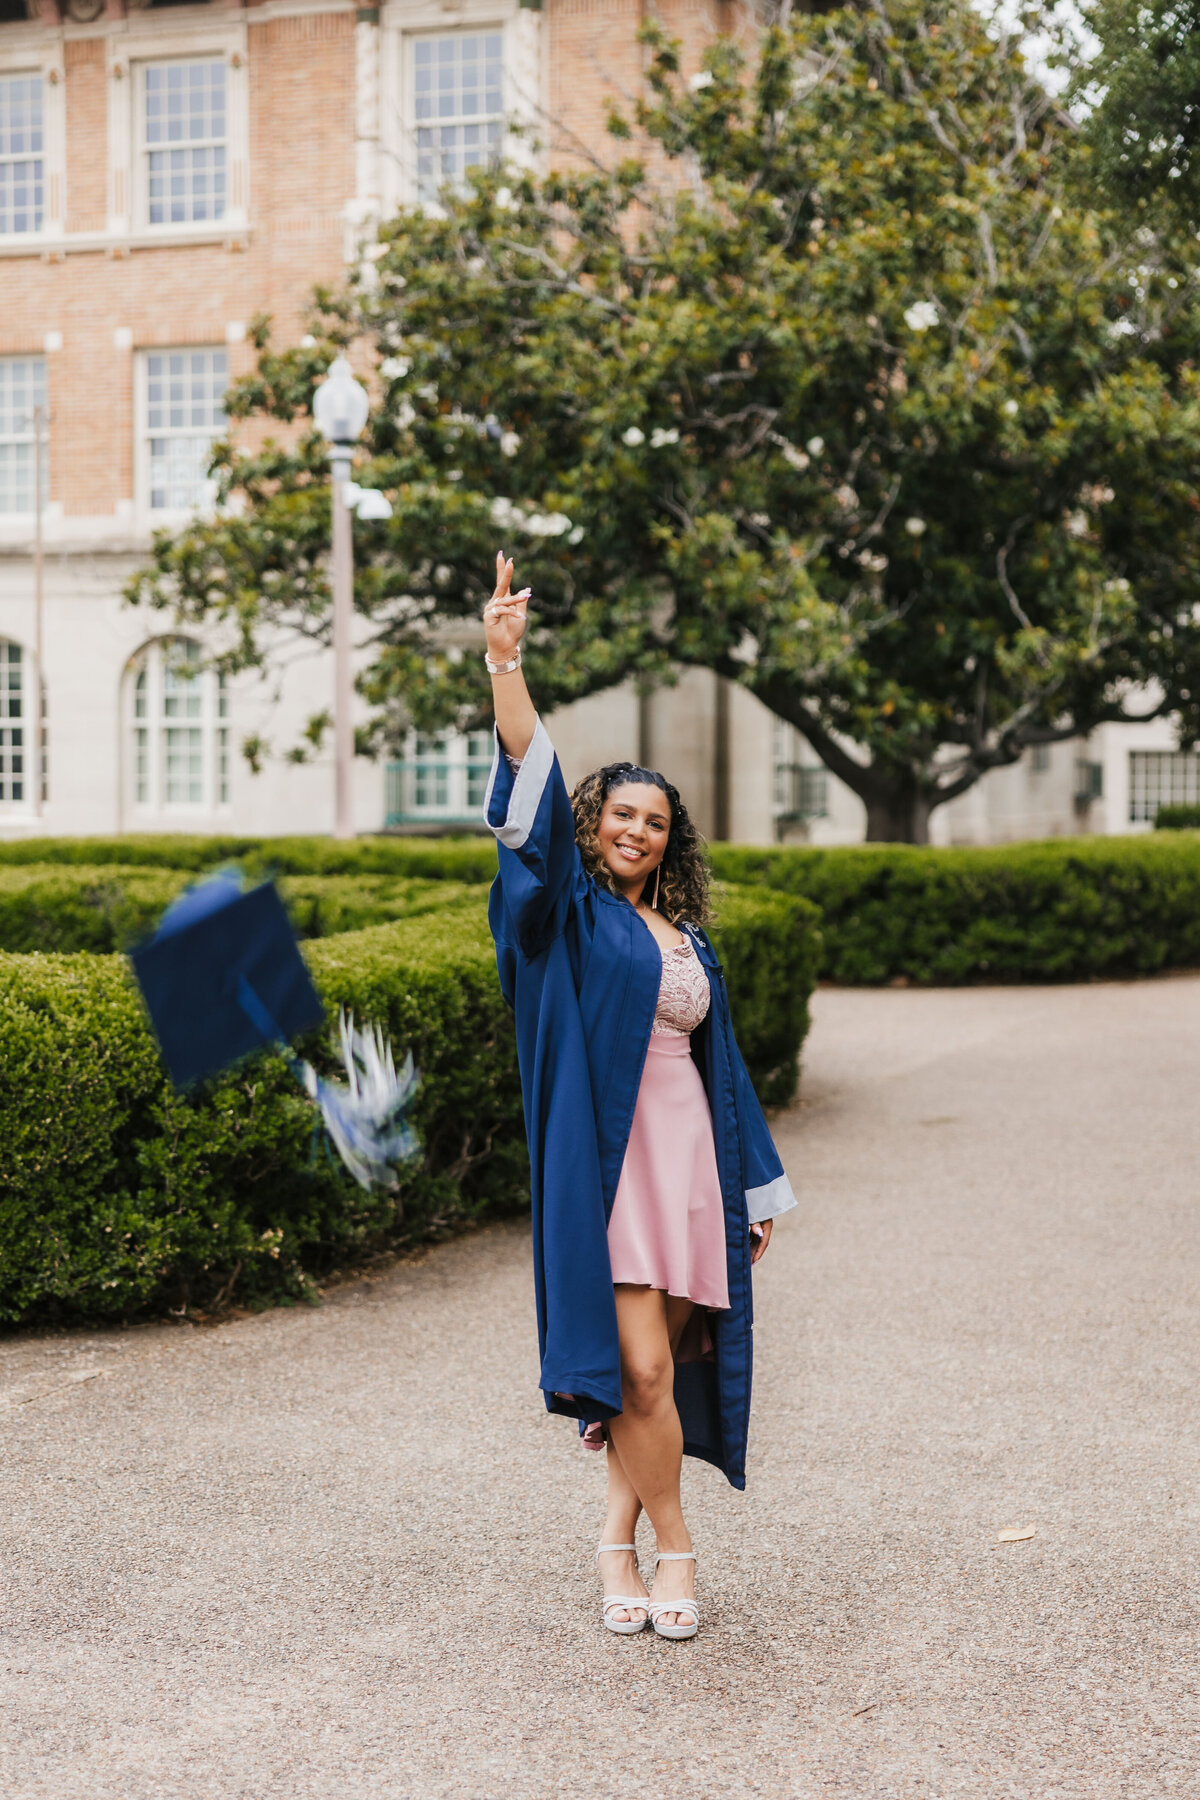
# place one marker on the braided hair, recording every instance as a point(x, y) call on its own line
point(683, 880)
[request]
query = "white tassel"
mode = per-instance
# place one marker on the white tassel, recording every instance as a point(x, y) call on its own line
point(366, 1118)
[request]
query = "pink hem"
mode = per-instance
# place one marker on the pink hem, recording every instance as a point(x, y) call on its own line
point(667, 1229)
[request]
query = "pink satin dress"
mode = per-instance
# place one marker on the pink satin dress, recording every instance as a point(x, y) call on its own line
point(667, 1227)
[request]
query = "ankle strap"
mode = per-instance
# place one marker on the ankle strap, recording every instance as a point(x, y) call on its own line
point(604, 1547)
point(675, 1556)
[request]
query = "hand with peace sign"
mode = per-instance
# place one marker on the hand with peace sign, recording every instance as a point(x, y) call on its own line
point(504, 614)
point(504, 626)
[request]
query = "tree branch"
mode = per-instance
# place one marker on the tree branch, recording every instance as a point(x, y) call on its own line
point(785, 703)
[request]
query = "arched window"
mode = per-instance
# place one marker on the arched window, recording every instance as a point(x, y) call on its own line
point(179, 726)
point(17, 729)
point(14, 741)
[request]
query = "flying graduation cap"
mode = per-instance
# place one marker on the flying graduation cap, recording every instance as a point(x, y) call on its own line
point(223, 976)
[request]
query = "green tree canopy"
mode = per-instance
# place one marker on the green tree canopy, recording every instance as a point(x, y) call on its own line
point(858, 404)
point(1144, 121)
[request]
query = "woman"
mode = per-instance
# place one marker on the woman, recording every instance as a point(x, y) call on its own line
point(654, 1178)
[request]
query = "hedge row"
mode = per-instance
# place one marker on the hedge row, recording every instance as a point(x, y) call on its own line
point(1177, 818)
point(470, 859)
point(121, 1197)
point(770, 947)
point(103, 907)
point(1063, 910)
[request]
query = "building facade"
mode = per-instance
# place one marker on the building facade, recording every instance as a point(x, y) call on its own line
point(168, 172)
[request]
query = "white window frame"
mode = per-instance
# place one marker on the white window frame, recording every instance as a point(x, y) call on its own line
point(47, 62)
point(169, 517)
point(10, 160)
point(27, 437)
point(521, 60)
point(164, 38)
point(413, 42)
point(147, 733)
point(23, 803)
point(419, 759)
point(1176, 771)
point(144, 149)
point(792, 761)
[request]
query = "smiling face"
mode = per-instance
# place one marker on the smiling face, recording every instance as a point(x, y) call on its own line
point(632, 834)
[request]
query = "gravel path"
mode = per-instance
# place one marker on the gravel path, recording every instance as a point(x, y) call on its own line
point(342, 1553)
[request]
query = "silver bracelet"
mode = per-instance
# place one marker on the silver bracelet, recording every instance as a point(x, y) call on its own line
point(505, 668)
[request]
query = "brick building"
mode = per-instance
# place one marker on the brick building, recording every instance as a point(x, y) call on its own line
point(166, 173)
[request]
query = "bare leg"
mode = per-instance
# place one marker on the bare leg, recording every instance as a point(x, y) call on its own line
point(647, 1435)
point(619, 1569)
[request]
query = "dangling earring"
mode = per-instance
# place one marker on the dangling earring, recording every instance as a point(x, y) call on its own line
point(654, 902)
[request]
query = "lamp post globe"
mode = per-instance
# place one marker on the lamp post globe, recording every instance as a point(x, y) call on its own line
point(341, 405)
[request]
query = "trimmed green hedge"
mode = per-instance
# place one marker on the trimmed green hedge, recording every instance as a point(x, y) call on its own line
point(1177, 818)
point(121, 1197)
point(469, 859)
point(1063, 910)
point(770, 946)
point(48, 906)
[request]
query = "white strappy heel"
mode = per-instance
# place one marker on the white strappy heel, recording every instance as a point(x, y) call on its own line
point(658, 1607)
point(623, 1602)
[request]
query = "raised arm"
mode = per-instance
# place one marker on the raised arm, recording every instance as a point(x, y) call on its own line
point(504, 626)
point(527, 804)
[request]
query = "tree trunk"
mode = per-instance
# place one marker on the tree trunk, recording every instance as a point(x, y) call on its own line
point(898, 801)
point(898, 815)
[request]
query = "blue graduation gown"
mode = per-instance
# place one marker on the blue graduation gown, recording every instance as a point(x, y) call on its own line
point(581, 971)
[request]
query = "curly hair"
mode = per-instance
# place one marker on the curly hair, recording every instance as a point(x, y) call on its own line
point(683, 884)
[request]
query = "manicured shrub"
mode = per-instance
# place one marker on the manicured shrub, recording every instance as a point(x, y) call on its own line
point(1177, 818)
point(53, 907)
point(66, 907)
point(119, 1196)
point(770, 946)
point(324, 905)
point(1063, 910)
point(469, 859)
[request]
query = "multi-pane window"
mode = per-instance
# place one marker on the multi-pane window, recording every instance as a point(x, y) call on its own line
point(458, 106)
point(22, 169)
point(184, 130)
point(801, 788)
point(180, 729)
point(13, 773)
point(22, 391)
point(439, 777)
point(1162, 778)
point(184, 415)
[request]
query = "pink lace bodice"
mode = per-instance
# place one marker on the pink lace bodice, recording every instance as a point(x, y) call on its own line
point(683, 995)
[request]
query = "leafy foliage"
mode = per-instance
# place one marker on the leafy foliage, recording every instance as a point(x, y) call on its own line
point(1145, 121)
point(121, 1196)
point(862, 406)
point(433, 859)
point(1056, 911)
point(771, 957)
point(110, 907)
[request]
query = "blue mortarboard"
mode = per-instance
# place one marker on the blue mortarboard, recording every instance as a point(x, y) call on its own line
point(222, 976)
